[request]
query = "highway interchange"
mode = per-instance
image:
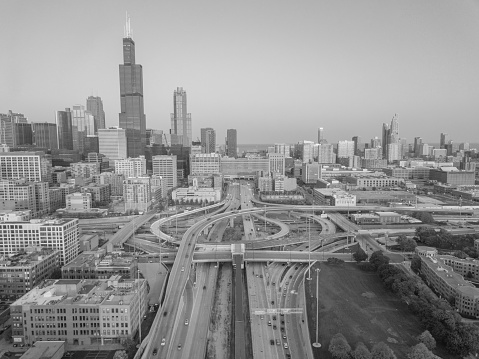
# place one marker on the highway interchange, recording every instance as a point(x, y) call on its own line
point(273, 279)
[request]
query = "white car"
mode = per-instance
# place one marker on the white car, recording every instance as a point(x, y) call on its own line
point(163, 341)
point(186, 322)
point(182, 269)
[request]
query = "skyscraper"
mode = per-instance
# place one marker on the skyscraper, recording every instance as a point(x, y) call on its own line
point(83, 124)
point(443, 140)
point(45, 135)
point(231, 143)
point(95, 106)
point(112, 143)
point(208, 140)
point(132, 115)
point(390, 140)
point(357, 145)
point(321, 139)
point(64, 129)
point(180, 119)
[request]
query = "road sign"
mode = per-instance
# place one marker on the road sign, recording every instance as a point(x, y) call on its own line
point(271, 311)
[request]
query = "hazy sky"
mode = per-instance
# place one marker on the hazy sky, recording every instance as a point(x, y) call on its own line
point(274, 70)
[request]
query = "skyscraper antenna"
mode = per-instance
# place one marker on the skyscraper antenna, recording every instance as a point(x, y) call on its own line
point(127, 27)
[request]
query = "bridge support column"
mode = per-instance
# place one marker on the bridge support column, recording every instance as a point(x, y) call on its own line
point(232, 222)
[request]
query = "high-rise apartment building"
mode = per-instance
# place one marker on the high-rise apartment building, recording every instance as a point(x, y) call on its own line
point(131, 167)
point(33, 166)
point(165, 166)
point(357, 145)
point(132, 116)
point(180, 119)
point(345, 149)
point(94, 105)
point(307, 151)
point(23, 134)
point(112, 143)
point(231, 143)
point(15, 130)
point(45, 135)
point(85, 169)
point(283, 149)
point(137, 193)
point(325, 153)
point(208, 140)
point(321, 139)
point(115, 181)
point(64, 129)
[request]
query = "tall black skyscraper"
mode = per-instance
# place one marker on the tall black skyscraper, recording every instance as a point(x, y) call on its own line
point(132, 116)
point(231, 143)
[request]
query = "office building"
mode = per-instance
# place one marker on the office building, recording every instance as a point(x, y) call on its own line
point(208, 140)
point(165, 166)
point(64, 129)
point(112, 143)
point(15, 216)
point(205, 164)
point(131, 167)
point(307, 151)
point(372, 182)
point(83, 124)
point(276, 163)
point(45, 135)
point(196, 194)
point(23, 134)
point(132, 116)
point(325, 153)
point(321, 139)
point(60, 234)
point(86, 312)
point(333, 197)
point(17, 195)
point(232, 143)
point(137, 194)
point(244, 168)
point(357, 145)
point(33, 166)
point(443, 140)
point(452, 176)
point(90, 144)
point(282, 148)
point(180, 119)
point(94, 105)
point(311, 172)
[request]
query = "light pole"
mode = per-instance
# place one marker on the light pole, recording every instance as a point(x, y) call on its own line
point(317, 344)
point(309, 250)
point(139, 308)
point(265, 220)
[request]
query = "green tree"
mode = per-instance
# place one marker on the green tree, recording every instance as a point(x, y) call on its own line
point(424, 217)
point(377, 259)
point(360, 255)
point(120, 354)
point(361, 352)
point(416, 264)
point(406, 244)
point(382, 351)
point(427, 339)
point(339, 347)
point(420, 351)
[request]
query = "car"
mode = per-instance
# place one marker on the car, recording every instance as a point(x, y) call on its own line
point(282, 322)
point(277, 342)
point(182, 269)
point(272, 302)
point(274, 317)
point(269, 323)
point(163, 342)
point(284, 294)
point(287, 282)
point(284, 336)
point(274, 283)
point(285, 345)
point(186, 322)
point(282, 329)
point(274, 327)
point(179, 346)
point(271, 341)
point(261, 317)
point(155, 351)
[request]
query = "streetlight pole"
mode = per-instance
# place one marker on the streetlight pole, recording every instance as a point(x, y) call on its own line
point(317, 344)
point(265, 220)
point(309, 250)
point(139, 308)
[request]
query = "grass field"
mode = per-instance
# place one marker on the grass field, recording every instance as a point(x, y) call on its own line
point(356, 304)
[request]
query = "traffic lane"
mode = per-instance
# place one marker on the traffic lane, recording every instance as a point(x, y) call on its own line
point(256, 321)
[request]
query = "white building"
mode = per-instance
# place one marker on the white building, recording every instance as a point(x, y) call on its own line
point(276, 163)
point(205, 164)
point(78, 201)
point(15, 216)
point(311, 172)
point(112, 143)
point(61, 234)
point(194, 193)
point(165, 166)
point(325, 153)
point(85, 169)
point(131, 167)
point(33, 166)
point(333, 197)
point(137, 193)
point(345, 149)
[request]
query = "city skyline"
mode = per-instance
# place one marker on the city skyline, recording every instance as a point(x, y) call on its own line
point(257, 64)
